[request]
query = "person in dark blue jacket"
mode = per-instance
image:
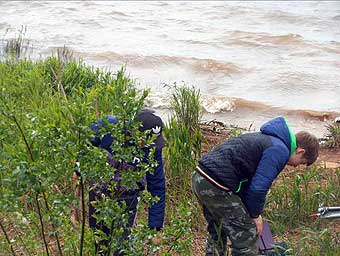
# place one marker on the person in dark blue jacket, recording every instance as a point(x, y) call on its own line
point(155, 181)
point(231, 182)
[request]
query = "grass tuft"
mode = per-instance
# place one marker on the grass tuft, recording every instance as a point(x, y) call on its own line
point(17, 47)
point(333, 134)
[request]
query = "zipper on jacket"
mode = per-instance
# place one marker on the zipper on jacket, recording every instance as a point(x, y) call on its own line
point(240, 185)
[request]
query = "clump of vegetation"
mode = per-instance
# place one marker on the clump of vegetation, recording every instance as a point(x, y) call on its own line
point(18, 46)
point(46, 109)
point(185, 105)
point(318, 241)
point(333, 134)
point(184, 137)
point(290, 202)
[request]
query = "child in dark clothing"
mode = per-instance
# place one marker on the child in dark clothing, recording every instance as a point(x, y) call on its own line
point(232, 181)
point(155, 181)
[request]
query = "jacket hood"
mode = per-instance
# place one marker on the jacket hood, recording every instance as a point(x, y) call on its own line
point(278, 127)
point(107, 139)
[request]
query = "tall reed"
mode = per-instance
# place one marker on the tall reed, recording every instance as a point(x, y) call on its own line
point(17, 47)
point(184, 138)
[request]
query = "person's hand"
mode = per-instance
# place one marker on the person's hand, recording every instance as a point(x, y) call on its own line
point(75, 179)
point(259, 224)
point(156, 240)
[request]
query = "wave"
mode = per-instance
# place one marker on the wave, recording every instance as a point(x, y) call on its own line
point(264, 39)
point(218, 104)
point(117, 13)
point(162, 3)
point(91, 23)
point(282, 39)
point(238, 104)
point(222, 104)
point(334, 47)
point(195, 64)
point(158, 101)
point(302, 47)
point(196, 42)
point(286, 17)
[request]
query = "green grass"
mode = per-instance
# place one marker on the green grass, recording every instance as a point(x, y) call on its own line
point(290, 202)
point(184, 137)
point(185, 105)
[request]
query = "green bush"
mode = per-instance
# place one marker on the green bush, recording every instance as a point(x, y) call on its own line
point(44, 131)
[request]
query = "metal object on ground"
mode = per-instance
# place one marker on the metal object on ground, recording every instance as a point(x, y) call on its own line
point(327, 213)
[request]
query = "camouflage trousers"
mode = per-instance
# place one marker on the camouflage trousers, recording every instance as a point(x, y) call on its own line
point(227, 218)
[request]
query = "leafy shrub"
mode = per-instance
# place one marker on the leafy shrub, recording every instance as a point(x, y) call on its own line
point(44, 131)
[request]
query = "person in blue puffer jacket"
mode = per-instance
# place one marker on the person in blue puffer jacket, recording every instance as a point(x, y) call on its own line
point(231, 182)
point(155, 181)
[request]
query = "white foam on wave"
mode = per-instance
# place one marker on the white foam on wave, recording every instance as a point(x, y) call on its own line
point(158, 100)
point(210, 104)
point(217, 104)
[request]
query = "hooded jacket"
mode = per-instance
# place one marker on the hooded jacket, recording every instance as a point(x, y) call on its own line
point(248, 164)
point(155, 181)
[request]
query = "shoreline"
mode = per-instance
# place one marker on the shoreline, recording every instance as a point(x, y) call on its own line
point(252, 121)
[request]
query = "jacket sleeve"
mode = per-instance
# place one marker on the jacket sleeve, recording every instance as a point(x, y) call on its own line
point(272, 162)
point(156, 186)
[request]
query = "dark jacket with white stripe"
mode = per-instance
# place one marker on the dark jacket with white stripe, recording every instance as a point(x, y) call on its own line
point(248, 164)
point(155, 181)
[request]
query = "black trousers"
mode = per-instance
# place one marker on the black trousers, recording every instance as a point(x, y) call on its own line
point(131, 201)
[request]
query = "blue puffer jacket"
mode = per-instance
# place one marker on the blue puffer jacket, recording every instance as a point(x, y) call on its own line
point(155, 181)
point(249, 164)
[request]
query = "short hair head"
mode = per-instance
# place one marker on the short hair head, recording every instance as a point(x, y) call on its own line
point(310, 144)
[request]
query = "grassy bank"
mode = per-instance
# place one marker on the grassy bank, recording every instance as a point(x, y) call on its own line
point(47, 107)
